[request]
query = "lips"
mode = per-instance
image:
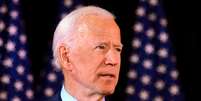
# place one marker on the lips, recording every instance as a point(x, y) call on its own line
point(106, 75)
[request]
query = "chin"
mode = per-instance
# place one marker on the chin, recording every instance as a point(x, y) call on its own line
point(108, 90)
point(106, 87)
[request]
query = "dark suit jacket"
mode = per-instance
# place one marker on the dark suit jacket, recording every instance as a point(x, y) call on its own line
point(57, 97)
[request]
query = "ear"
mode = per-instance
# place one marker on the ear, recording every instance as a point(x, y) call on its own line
point(63, 55)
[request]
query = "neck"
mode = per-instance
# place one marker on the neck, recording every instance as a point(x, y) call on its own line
point(81, 93)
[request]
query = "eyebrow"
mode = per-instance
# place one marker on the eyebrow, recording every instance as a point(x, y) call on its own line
point(119, 45)
point(115, 45)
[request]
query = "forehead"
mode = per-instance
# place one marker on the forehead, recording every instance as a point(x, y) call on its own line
point(99, 27)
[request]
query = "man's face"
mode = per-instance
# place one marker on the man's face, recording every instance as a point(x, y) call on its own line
point(96, 56)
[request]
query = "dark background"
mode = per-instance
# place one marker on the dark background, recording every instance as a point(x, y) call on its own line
point(183, 25)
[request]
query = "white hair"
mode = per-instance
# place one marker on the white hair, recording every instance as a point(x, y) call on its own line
point(65, 31)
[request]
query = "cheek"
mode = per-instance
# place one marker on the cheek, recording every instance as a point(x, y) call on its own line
point(86, 62)
point(91, 65)
point(87, 57)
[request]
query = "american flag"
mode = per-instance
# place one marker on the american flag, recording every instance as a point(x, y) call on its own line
point(52, 75)
point(15, 77)
point(152, 73)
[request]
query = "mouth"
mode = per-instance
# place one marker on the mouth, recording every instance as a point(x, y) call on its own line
point(107, 75)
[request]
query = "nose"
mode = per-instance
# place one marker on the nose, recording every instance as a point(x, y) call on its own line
point(112, 58)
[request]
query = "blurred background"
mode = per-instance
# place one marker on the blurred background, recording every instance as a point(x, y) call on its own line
point(40, 18)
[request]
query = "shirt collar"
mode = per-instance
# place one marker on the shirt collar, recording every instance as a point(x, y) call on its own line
point(65, 96)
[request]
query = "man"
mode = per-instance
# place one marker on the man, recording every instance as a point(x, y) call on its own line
point(87, 47)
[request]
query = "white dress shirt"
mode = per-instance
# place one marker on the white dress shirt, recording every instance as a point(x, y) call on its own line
point(65, 96)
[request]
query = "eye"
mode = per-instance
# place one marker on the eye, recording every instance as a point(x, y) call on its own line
point(119, 49)
point(100, 47)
